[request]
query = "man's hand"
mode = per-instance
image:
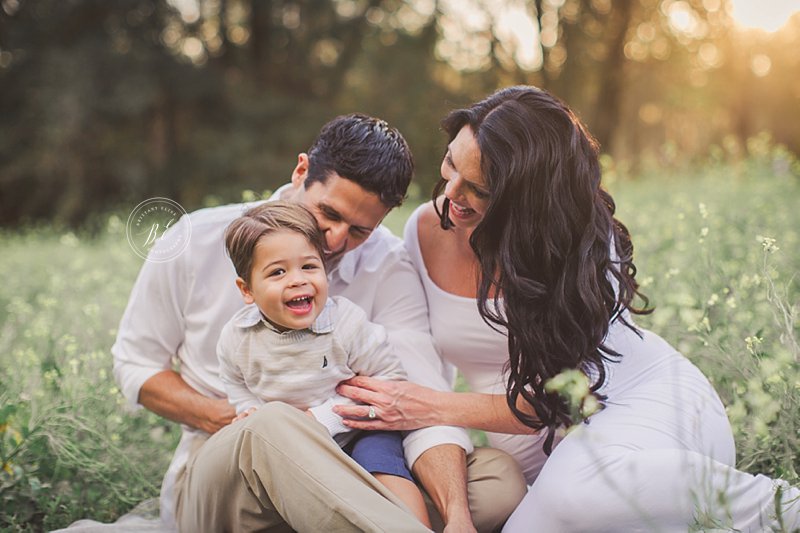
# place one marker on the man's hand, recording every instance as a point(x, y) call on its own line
point(168, 395)
point(398, 405)
point(218, 415)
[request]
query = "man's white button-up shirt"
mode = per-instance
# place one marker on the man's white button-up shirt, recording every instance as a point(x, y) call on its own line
point(177, 310)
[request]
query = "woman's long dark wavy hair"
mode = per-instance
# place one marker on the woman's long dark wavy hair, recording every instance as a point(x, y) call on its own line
point(545, 245)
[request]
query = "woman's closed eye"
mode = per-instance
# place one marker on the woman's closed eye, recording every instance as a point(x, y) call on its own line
point(479, 192)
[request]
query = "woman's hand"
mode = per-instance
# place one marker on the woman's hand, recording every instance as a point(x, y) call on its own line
point(396, 405)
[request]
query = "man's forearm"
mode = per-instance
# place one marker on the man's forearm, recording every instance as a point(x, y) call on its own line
point(168, 395)
point(442, 470)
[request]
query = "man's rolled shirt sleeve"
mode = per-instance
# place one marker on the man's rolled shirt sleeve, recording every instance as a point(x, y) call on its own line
point(401, 307)
point(152, 327)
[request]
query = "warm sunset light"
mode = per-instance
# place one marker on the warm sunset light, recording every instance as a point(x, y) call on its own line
point(768, 15)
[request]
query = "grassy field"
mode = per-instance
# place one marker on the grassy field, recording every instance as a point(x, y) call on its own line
point(717, 248)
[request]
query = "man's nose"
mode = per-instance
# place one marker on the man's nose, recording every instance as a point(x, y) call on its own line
point(336, 237)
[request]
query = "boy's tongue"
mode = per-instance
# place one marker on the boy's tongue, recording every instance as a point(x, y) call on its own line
point(299, 306)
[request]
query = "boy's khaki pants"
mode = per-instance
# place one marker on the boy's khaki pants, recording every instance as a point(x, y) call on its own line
point(280, 467)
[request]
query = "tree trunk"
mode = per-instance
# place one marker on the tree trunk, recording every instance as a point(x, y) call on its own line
point(261, 40)
point(543, 74)
point(609, 98)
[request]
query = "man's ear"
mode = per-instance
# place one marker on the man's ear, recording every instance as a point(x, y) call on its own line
point(300, 172)
point(247, 296)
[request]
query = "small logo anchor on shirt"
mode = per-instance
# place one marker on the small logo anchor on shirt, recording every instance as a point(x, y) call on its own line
point(324, 361)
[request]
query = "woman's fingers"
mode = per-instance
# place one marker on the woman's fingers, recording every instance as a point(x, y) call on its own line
point(369, 425)
point(358, 394)
point(396, 404)
point(361, 390)
point(366, 382)
point(347, 411)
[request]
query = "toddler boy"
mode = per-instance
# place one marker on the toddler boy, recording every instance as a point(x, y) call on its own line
point(294, 344)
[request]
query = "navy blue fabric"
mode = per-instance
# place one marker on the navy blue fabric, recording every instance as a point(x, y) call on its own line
point(380, 452)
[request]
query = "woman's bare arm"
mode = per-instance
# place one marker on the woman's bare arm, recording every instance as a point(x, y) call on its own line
point(402, 405)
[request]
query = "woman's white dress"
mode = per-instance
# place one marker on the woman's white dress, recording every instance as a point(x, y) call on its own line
point(659, 457)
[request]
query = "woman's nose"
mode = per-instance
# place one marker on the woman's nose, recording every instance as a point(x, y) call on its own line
point(451, 189)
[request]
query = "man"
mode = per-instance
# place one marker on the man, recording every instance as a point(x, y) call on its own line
point(277, 469)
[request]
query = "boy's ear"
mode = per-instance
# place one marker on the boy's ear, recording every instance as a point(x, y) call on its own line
point(300, 172)
point(245, 290)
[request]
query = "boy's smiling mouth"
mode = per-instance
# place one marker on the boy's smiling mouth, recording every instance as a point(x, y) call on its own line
point(301, 304)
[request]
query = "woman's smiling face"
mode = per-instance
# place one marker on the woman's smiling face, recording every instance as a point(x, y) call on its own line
point(466, 189)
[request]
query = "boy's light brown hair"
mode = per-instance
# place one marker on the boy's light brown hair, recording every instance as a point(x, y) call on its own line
point(242, 234)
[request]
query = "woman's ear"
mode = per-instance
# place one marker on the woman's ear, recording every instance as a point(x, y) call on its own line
point(247, 296)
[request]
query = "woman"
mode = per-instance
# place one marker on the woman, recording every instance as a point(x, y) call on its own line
point(528, 274)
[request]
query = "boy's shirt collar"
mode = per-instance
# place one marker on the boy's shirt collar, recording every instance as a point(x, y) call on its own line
point(346, 269)
point(251, 316)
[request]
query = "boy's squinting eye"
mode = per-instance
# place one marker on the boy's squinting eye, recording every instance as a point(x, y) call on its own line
point(276, 272)
point(310, 266)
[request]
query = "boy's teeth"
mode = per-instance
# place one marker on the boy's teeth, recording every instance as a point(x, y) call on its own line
point(300, 302)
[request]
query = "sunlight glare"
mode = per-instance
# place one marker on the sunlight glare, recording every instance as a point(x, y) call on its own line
point(768, 15)
point(515, 27)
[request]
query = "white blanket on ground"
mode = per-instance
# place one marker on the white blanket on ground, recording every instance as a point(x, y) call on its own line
point(143, 517)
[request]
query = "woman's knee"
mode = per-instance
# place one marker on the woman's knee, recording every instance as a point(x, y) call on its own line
point(632, 491)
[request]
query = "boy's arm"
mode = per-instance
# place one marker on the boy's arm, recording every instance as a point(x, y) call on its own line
point(369, 354)
point(323, 413)
point(367, 345)
point(239, 394)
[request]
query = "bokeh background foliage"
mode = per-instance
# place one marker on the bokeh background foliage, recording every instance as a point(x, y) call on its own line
point(105, 104)
point(717, 251)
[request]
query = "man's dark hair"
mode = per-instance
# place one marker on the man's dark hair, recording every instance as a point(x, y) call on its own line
point(364, 150)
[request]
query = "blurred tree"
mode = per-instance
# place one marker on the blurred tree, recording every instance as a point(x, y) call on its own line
point(104, 104)
point(84, 104)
